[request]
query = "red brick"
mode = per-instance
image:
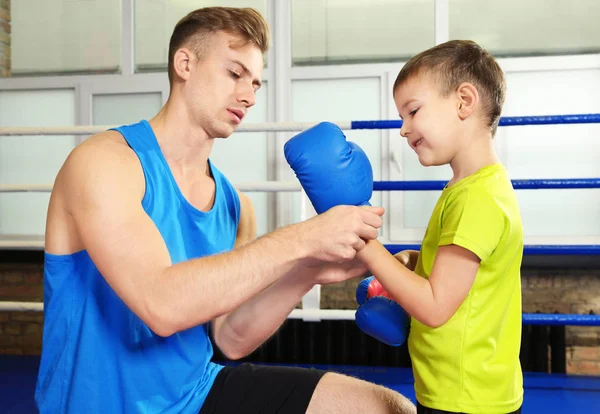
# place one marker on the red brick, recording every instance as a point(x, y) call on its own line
point(13, 278)
point(27, 317)
point(5, 14)
point(12, 328)
point(34, 278)
point(4, 316)
point(586, 353)
point(584, 368)
point(32, 340)
point(6, 340)
point(33, 328)
point(24, 292)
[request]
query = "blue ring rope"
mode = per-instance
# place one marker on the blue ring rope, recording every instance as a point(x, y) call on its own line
point(528, 250)
point(504, 121)
point(517, 184)
point(561, 320)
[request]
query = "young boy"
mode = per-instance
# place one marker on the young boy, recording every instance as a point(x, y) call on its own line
point(463, 289)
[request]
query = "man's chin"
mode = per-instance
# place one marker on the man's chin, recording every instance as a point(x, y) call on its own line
point(225, 132)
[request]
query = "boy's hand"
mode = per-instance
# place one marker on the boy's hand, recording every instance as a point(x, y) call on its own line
point(379, 316)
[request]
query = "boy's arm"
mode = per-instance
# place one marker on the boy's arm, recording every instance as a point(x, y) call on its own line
point(472, 227)
point(431, 301)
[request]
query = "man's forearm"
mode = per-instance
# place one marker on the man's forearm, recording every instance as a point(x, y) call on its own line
point(245, 329)
point(190, 293)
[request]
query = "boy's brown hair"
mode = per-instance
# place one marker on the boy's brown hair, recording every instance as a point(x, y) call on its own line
point(457, 61)
point(197, 26)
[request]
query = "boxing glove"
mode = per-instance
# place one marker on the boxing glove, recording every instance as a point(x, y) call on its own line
point(378, 315)
point(332, 170)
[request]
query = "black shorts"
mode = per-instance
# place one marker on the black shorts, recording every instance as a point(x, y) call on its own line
point(249, 388)
point(425, 410)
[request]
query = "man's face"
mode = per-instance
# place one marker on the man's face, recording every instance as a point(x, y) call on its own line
point(222, 86)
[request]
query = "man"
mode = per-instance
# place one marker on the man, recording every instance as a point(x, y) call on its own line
point(148, 245)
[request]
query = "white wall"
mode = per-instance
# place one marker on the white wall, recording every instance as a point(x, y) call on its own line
point(65, 35)
point(82, 35)
point(32, 160)
point(550, 86)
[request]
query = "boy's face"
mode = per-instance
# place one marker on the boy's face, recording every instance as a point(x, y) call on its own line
point(430, 121)
point(223, 86)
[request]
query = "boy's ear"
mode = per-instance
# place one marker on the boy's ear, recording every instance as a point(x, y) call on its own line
point(467, 99)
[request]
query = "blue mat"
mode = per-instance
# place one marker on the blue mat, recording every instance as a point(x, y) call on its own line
point(544, 393)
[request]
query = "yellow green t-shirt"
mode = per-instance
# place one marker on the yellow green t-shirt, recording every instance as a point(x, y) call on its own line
point(471, 363)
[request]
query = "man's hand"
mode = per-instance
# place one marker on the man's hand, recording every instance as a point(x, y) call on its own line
point(339, 233)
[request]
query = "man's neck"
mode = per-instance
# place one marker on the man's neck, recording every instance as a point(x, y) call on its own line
point(185, 146)
point(476, 154)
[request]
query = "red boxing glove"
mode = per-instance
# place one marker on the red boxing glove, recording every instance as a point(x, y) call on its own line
point(375, 289)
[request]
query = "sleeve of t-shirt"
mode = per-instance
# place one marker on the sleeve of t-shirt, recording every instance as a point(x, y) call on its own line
point(473, 220)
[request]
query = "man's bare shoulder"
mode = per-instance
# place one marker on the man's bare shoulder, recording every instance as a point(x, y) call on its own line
point(104, 157)
point(97, 171)
point(109, 145)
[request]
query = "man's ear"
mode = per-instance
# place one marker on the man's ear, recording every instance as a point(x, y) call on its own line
point(182, 63)
point(467, 99)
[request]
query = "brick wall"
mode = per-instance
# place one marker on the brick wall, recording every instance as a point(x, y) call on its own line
point(5, 68)
point(21, 332)
point(546, 291)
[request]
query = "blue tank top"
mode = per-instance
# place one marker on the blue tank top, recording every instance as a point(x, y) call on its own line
point(97, 355)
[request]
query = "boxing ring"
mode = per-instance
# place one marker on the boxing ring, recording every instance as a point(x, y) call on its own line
point(547, 393)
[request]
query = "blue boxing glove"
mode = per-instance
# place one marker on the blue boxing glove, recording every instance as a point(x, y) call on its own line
point(379, 316)
point(332, 171)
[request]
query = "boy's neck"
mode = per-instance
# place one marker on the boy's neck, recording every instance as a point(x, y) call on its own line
point(475, 155)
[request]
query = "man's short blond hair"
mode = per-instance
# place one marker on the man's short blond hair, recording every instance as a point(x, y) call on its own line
point(195, 28)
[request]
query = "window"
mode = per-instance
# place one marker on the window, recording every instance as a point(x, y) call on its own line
point(60, 37)
point(348, 31)
point(154, 23)
point(125, 108)
point(26, 160)
point(528, 27)
point(327, 100)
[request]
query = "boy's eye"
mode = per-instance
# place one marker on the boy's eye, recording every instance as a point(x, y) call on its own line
point(234, 75)
point(412, 113)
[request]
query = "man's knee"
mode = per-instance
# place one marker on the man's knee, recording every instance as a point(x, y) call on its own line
point(338, 393)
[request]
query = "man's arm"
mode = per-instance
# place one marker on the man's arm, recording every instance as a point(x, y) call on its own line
point(241, 331)
point(431, 301)
point(130, 253)
point(103, 185)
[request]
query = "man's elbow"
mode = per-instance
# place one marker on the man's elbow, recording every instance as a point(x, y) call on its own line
point(232, 352)
point(165, 321)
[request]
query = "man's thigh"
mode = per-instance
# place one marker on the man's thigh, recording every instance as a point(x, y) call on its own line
point(249, 388)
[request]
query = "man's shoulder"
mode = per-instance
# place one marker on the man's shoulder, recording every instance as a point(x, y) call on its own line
point(104, 147)
point(105, 155)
